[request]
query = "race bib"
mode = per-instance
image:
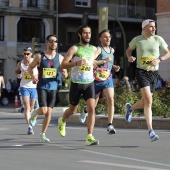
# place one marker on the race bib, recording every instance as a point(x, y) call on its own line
point(104, 75)
point(27, 76)
point(145, 61)
point(49, 72)
point(85, 68)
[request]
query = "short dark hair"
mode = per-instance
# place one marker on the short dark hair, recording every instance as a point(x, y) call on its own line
point(80, 29)
point(103, 31)
point(51, 35)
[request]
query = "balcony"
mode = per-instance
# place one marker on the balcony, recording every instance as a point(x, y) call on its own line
point(44, 5)
point(125, 11)
point(4, 4)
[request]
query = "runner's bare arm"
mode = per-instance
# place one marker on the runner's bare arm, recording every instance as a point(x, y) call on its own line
point(2, 82)
point(70, 54)
point(129, 55)
point(35, 63)
point(64, 71)
point(17, 70)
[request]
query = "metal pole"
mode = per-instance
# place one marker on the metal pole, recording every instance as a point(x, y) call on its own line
point(124, 45)
point(103, 23)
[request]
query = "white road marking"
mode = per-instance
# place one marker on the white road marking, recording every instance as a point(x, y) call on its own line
point(120, 157)
point(120, 165)
point(17, 145)
point(127, 158)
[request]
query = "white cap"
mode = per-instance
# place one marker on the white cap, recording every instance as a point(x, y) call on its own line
point(146, 22)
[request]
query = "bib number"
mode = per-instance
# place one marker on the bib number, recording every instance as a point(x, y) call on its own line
point(102, 75)
point(49, 72)
point(145, 61)
point(85, 68)
point(27, 76)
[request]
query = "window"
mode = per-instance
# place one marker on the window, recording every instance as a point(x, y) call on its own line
point(83, 3)
point(28, 28)
point(32, 3)
point(1, 28)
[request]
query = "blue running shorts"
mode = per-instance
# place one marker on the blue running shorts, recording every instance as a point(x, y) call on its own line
point(30, 92)
point(100, 85)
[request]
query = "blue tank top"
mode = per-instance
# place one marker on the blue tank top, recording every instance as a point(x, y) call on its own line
point(104, 71)
point(48, 70)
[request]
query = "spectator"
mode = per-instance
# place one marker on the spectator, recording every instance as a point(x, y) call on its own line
point(9, 85)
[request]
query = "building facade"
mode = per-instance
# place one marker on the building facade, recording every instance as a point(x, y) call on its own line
point(20, 21)
point(163, 22)
point(124, 22)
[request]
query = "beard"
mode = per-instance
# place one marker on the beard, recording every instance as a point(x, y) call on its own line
point(84, 41)
point(52, 48)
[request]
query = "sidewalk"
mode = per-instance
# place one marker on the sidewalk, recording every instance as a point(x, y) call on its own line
point(118, 121)
point(101, 120)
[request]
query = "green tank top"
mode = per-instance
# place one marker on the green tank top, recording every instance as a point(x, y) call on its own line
point(83, 74)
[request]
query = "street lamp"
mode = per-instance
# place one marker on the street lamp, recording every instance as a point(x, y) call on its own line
point(124, 45)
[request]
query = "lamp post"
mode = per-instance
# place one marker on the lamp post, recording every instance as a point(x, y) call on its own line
point(124, 45)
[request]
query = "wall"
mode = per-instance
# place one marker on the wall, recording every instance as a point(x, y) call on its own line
point(163, 6)
point(163, 22)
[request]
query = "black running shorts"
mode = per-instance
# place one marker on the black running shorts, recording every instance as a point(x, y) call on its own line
point(147, 78)
point(46, 98)
point(81, 90)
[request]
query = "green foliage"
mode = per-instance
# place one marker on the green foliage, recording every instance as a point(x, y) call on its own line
point(160, 105)
point(82, 103)
point(102, 106)
point(67, 81)
point(123, 96)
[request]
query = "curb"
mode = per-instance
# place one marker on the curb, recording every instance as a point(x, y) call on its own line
point(118, 121)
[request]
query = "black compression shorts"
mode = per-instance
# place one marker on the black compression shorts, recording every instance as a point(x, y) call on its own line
point(46, 98)
point(81, 90)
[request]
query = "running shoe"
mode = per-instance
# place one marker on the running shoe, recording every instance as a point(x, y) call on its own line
point(32, 120)
point(30, 131)
point(43, 138)
point(83, 115)
point(128, 115)
point(153, 136)
point(22, 110)
point(111, 130)
point(90, 140)
point(61, 127)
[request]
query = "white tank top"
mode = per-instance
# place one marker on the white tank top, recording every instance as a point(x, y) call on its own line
point(26, 80)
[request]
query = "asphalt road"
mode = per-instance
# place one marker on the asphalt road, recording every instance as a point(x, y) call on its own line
point(128, 149)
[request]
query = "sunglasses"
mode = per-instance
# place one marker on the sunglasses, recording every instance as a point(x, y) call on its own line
point(27, 53)
point(52, 41)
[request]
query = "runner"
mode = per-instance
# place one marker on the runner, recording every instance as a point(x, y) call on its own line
point(103, 77)
point(28, 90)
point(148, 58)
point(48, 63)
point(81, 56)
